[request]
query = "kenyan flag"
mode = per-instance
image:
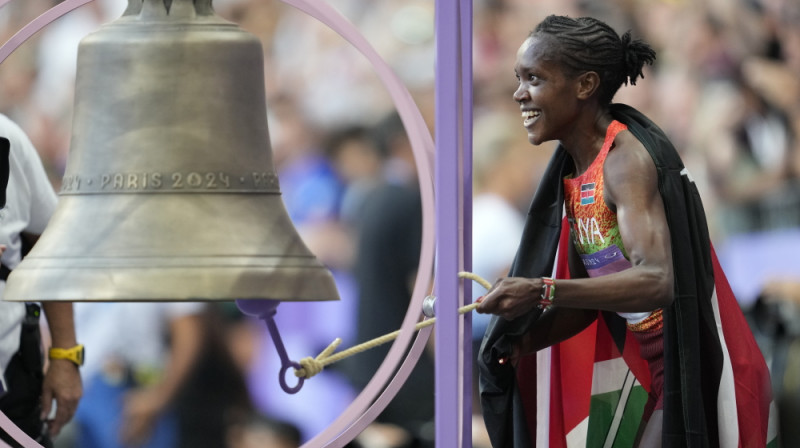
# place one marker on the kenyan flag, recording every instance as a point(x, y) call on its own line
point(594, 398)
point(590, 395)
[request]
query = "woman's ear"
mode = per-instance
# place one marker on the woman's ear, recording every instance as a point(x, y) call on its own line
point(588, 83)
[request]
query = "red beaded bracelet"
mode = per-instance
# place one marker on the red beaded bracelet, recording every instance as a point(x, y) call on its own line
point(548, 292)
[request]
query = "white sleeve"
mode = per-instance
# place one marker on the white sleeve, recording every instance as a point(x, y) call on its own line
point(25, 163)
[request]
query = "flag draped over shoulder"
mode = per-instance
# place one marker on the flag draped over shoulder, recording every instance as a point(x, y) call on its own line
point(590, 390)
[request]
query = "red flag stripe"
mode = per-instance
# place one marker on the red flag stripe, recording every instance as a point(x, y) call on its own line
point(750, 373)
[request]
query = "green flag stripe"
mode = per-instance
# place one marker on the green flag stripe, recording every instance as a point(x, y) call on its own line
point(601, 414)
point(631, 419)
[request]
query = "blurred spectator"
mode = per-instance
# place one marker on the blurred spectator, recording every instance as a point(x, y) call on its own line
point(774, 319)
point(504, 179)
point(359, 162)
point(38, 393)
point(259, 432)
point(309, 186)
point(214, 396)
point(783, 289)
point(389, 236)
point(142, 354)
point(754, 177)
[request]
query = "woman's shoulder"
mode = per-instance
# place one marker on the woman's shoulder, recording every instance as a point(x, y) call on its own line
point(628, 160)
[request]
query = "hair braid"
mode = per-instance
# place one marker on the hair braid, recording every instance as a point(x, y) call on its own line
point(637, 53)
point(587, 44)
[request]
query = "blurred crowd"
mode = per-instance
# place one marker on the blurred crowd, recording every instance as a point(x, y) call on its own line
point(725, 87)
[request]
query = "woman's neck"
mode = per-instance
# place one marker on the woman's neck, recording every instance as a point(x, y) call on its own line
point(587, 139)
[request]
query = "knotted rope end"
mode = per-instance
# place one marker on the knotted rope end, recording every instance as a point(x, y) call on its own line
point(312, 366)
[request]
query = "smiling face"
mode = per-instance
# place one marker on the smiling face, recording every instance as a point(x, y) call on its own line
point(546, 94)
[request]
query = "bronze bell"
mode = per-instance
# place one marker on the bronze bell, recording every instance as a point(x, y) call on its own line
point(169, 192)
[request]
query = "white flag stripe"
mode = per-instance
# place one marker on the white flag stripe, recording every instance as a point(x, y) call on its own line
point(726, 399)
point(577, 437)
point(630, 381)
point(772, 428)
point(609, 375)
point(543, 368)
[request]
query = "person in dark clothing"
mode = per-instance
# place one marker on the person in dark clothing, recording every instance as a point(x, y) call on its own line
point(631, 255)
point(215, 396)
point(389, 238)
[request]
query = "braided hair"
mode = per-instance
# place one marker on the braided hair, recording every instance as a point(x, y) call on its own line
point(587, 44)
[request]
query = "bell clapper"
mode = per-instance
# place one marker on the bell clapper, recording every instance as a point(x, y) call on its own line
point(265, 310)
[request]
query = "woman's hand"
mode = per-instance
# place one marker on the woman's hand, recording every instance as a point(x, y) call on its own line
point(512, 297)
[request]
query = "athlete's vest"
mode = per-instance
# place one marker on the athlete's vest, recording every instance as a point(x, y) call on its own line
point(594, 228)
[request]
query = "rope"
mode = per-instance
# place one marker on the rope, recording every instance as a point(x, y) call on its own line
point(477, 278)
point(312, 366)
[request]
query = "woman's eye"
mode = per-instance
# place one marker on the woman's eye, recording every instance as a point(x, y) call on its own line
point(532, 78)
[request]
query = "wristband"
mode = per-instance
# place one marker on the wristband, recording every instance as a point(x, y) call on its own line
point(74, 354)
point(548, 292)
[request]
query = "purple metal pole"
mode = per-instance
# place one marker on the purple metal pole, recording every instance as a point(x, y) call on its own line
point(466, 215)
point(449, 367)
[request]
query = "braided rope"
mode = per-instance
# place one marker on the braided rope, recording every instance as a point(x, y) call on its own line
point(312, 366)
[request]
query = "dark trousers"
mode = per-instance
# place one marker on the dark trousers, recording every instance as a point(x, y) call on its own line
point(24, 376)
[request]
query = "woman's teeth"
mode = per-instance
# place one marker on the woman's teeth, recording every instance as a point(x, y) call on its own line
point(529, 115)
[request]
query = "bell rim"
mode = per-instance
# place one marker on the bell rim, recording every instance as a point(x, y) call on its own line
point(171, 284)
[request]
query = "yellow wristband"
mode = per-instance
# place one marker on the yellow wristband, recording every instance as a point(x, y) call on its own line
point(74, 354)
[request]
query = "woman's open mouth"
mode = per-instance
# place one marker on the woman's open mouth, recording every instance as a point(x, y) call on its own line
point(529, 116)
